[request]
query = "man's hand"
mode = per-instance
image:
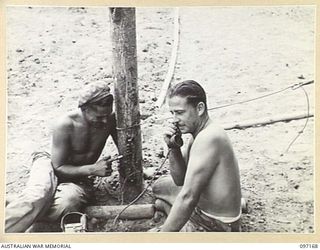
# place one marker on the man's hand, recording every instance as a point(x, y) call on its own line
point(172, 130)
point(103, 167)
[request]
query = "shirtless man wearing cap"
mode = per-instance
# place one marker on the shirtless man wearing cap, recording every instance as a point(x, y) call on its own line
point(203, 192)
point(57, 183)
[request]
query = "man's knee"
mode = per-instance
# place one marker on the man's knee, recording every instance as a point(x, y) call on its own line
point(69, 197)
point(165, 189)
point(162, 185)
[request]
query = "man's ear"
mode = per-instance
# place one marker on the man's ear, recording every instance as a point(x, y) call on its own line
point(201, 107)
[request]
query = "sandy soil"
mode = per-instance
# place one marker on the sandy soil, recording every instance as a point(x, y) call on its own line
point(236, 53)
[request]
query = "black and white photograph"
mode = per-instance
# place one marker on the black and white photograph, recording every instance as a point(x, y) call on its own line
point(160, 119)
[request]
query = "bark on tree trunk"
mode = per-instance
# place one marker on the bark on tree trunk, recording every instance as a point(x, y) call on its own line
point(123, 33)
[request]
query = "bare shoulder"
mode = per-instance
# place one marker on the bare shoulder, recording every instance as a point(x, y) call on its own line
point(213, 141)
point(65, 122)
point(212, 134)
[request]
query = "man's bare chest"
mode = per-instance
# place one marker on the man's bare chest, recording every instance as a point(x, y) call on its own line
point(86, 141)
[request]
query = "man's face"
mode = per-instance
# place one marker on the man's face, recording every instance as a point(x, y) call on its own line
point(184, 114)
point(98, 116)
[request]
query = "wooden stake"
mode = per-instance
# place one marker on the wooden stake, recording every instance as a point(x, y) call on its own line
point(123, 33)
point(266, 121)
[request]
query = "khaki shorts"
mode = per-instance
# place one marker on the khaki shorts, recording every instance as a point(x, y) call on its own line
point(165, 190)
point(200, 222)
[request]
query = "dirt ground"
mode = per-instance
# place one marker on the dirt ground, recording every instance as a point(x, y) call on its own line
point(237, 54)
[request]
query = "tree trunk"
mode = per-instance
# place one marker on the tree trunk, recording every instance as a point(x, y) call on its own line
point(123, 29)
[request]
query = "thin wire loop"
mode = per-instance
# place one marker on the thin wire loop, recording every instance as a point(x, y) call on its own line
point(307, 120)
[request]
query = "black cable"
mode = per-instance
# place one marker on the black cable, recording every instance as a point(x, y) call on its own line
point(143, 191)
point(293, 87)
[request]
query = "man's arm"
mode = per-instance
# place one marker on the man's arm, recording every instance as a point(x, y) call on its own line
point(61, 151)
point(204, 158)
point(178, 160)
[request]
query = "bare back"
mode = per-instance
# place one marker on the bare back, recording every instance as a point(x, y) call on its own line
point(221, 195)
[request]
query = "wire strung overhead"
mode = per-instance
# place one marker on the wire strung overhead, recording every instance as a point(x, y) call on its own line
point(292, 87)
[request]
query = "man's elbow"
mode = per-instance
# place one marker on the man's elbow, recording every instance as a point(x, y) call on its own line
point(57, 170)
point(189, 198)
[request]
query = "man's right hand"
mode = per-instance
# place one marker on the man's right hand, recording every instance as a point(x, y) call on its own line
point(170, 130)
point(103, 167)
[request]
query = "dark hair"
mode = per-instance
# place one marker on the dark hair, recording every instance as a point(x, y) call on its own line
point(191, 90)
